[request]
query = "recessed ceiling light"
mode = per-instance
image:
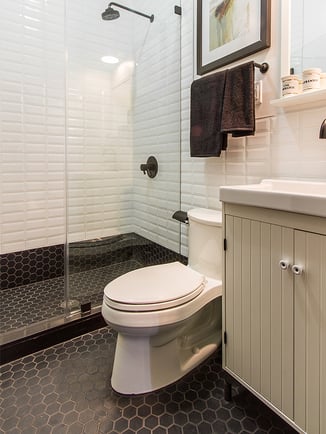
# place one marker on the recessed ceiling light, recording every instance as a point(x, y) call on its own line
point(110, 59)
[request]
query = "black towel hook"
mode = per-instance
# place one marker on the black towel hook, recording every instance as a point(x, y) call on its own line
point(263, 67)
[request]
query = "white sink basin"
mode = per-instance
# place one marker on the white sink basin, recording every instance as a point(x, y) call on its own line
point(295, 196)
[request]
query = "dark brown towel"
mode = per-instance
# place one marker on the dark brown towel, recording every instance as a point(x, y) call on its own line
point(207, 94)
point(238, 115)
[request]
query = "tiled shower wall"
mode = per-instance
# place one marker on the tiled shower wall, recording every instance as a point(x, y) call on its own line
point(157, 125)
point(81, 116)
point(32, 125)
point(117, 118)
point(99, 122)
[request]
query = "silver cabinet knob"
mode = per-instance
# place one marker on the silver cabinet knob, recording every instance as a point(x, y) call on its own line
point(297, 269)
point(284, 265)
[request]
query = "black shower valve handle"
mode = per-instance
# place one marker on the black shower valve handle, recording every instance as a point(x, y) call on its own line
point(150, 167)
point(145, 167)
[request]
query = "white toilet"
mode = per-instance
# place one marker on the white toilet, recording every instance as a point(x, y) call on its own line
point(168, 317)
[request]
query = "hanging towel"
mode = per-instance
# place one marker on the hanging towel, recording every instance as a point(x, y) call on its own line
point(238, 115)
point(207, 94)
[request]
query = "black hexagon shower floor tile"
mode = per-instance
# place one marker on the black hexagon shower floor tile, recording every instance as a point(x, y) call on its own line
point(66, 389)
point(39, 301)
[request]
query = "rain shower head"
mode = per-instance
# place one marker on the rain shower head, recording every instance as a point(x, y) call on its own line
point(112, 14)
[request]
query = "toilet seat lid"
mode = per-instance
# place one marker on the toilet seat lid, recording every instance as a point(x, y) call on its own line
point(154, 288)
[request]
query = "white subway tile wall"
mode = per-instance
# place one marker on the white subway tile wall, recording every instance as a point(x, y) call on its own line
point(32, 130)
point(116, 120)
point(65, 111)
point(157, 125)
point(286, 145)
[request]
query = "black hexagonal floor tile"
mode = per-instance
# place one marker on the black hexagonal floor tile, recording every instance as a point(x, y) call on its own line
point(66, 389)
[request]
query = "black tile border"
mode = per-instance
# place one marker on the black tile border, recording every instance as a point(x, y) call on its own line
point(40, 341)
point(44, 263)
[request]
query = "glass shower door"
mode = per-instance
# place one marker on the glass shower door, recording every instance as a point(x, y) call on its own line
point(32, 159)
point(123, 106)
point(74, 131)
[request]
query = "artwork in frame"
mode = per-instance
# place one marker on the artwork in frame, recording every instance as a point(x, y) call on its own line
point(229, 30)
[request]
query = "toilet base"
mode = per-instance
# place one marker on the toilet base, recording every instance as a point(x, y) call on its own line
point(140, 368)
point(143, 363)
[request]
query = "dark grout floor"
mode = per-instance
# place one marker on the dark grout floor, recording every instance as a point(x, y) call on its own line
point(29, 304)
point(66, 389)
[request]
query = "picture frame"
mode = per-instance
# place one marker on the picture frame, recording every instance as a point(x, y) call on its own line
point(229, 30)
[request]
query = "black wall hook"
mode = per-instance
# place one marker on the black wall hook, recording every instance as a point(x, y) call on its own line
point(263, 67)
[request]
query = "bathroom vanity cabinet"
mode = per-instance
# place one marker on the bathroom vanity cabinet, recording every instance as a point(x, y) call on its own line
point(275, 310)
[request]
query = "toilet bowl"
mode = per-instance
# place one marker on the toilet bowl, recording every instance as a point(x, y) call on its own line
point(168, 318)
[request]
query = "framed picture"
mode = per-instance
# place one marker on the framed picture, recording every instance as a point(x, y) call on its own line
point(228, 30)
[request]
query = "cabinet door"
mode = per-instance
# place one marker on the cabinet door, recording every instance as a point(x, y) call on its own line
point(310, 333)
point(258, 307)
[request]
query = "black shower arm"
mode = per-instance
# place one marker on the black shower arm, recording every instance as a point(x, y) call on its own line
point(150, 17)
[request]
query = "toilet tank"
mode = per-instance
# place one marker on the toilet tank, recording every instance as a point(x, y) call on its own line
point(205, 242)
